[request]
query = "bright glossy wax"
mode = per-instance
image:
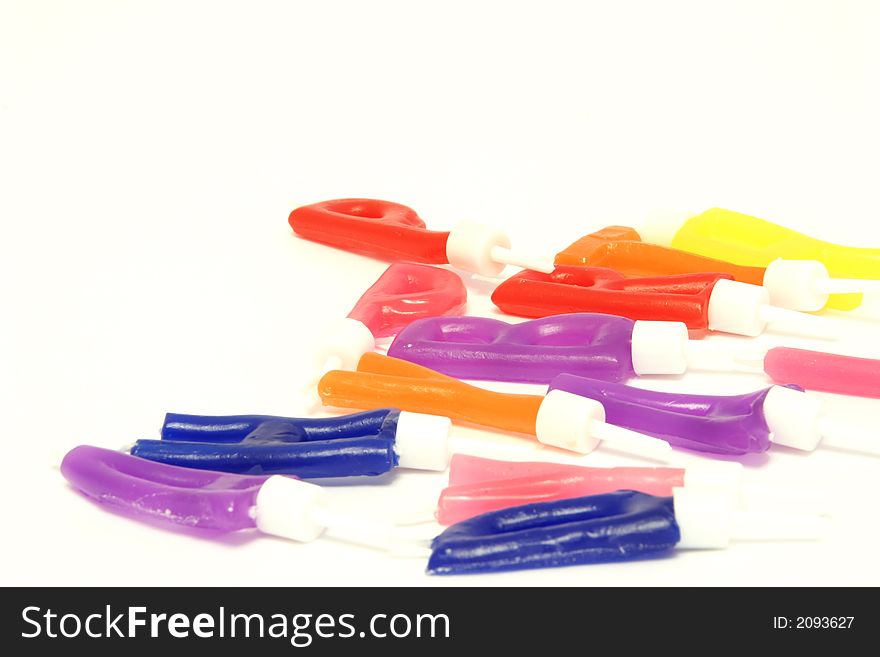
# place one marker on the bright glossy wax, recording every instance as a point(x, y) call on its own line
point(408, 292)
point(622, 249)
point(748, 240)
point(479, 485)
point(480, 348)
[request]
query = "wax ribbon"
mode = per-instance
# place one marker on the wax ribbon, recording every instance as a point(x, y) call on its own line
point(571, 289)
point(407, 292)
point(733, 424)
point(500, 485)
point(618, 526)
point(381, 380)
point(622, 249)
point(589, 344)
point(164, 493)
point(381, 229)
point(358, 444)
point(815, 370)
point(748, 240)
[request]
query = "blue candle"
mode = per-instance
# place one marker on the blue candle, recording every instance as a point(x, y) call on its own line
point(618, 526)
point(594, 529)
point(359, 444)
point(237, 428)
point(343, 457)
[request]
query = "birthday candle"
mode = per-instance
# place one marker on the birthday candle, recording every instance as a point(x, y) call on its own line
point(747, 240)
point(724, 424)
point(618, 526)
point(405, 293)
point(390, 231)
point(599, 346)
point(613, 349)
point(488, 485)
point(156, 492)
point(815, 370)
point(479, 485)
point(401, 295)
point(793, 284)
point(704, 302)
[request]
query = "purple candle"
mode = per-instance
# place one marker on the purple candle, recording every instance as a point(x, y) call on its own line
point(588, 344)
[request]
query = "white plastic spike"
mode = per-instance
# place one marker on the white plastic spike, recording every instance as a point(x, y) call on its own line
point(839, 435)
point(510, 257)
point(794, 284)
point(799, 323)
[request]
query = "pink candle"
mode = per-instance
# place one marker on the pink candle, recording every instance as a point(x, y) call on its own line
point(480, 485)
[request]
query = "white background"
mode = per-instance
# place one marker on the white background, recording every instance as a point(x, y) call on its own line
point(150, 154)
